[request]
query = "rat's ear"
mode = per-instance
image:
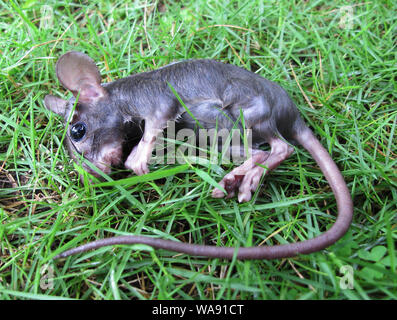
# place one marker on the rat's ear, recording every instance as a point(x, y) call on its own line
point(55, 104)
point(78, 72)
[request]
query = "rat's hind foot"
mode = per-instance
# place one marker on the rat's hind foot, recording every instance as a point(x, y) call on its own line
point(250, 183)
point(231, 182)
point(279, 152)
point(246, 177)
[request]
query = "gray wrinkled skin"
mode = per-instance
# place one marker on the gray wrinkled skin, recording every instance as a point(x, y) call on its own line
point(205, 86)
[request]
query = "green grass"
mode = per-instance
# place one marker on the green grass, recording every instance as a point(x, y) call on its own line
point(347, 74)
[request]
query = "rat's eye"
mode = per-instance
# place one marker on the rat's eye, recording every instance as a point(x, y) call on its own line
point(77, 131)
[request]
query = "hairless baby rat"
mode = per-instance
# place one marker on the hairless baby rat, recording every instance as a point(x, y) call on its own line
point(215, 93)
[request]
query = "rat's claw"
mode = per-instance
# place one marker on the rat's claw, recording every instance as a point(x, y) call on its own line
point(244, 197)
point(141, 169)
point(230, 183)
point(217, 193)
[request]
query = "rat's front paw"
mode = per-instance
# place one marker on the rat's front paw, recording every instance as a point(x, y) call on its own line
point(140, 168)
point(137, 163)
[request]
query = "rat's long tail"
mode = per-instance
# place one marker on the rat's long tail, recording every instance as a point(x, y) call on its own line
point(345, 212)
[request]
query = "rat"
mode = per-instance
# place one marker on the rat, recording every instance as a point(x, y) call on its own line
point(98, 117)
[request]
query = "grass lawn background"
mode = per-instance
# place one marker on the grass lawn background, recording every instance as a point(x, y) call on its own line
point(336, 59)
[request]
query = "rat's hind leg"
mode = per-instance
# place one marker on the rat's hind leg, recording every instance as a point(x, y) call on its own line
point(280, 151)
point(233, 179)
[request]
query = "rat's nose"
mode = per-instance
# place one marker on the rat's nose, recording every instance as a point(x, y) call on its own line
point(104, 167)
point(112, 154)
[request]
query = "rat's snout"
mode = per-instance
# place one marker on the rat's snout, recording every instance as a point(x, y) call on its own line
point(109, 156)
point(112, 155)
